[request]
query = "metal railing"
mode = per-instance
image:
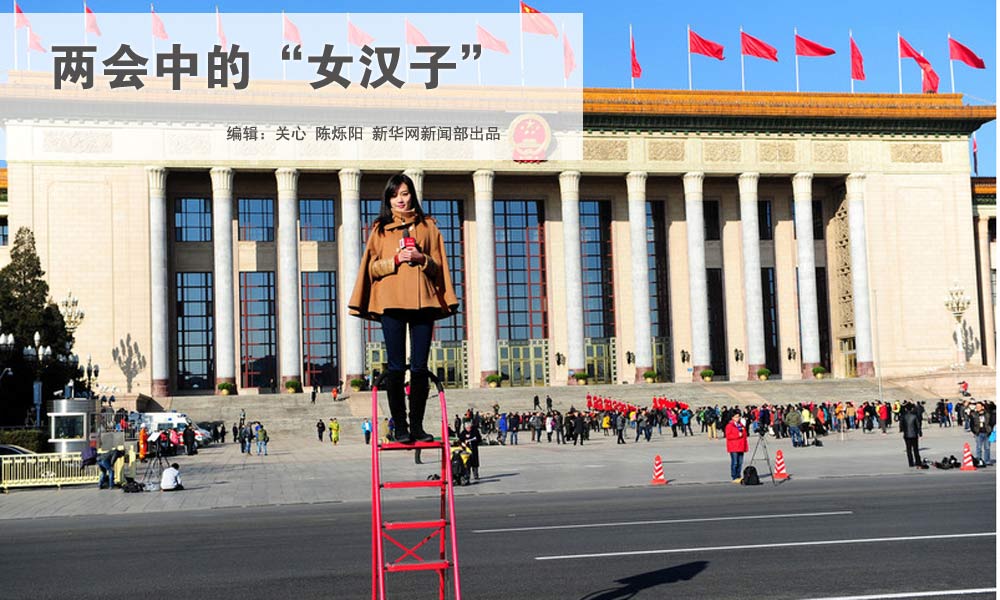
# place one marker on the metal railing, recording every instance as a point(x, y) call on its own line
point(30, 470)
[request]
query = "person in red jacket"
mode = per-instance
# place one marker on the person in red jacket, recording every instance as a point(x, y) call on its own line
point(736, 445)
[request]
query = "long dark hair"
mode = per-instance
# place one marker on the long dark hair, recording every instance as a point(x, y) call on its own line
point(391, 187)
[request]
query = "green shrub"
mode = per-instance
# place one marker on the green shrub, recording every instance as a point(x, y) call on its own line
point(227, 385)
point(581, 376)
point(707, 373)
point(649, 375)
point(819, 369)
point(293, 385)
point(763, 372)
point(358, 383)
point(494, 378)
point(35, 440)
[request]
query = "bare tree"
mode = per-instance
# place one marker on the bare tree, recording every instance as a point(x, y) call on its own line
point(129, 360)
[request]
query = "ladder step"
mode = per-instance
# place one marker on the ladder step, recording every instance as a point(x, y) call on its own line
point(434, 565)
point(414, 525)
point(390, 485)
point(413, 446)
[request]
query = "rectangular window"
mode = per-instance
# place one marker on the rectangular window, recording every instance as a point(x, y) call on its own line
point(258, 354)
point(769, 295)
point(192, 220)
point(656, 253)
point(256, 219)
point(717, 321)
point(450, 218)
point(818, 219)
point(320, 364)
point(596, 269)
point(519, 230)
point(195, 332)
point(765, 223)
point(4, 231)
point(317, 220)
point(713, 230)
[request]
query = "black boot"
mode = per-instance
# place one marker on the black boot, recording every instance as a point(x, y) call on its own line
point(419, 389)
point(397, 406)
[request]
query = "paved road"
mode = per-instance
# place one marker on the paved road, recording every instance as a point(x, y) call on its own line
point(803, 539)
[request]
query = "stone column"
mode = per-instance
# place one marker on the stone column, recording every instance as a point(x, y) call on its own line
point(859, 274)
point(417, 175)
point(808, 308)
point(289, 302)
point(222, 247)
point(159, 276)
point(569, 189)
point(486, 258)
point(352, 353)
point(701, 352)
point(753, 301)
point(643, 343)
point(986, 292)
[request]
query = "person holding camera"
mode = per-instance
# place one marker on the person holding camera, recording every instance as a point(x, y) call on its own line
point(736, 445)
point(403, 282)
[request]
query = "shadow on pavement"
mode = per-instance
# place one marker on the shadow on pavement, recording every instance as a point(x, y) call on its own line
point(630, 586)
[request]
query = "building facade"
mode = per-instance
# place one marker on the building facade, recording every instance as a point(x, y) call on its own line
point(724, 230)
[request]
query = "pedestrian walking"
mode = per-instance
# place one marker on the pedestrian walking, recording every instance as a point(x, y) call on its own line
point(981, 427)
point(320, 428)
point(314, 392)
point(262, 439)
point(334, 431)
point(366, 428)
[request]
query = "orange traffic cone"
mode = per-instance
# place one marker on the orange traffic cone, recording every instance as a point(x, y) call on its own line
point(967, 459)
point(658, 478)
point(779, 466)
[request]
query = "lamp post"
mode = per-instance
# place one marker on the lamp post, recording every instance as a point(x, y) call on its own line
point(71, 312)
point(957, 303)
point(38, 357)
point(72, 362)
point(92, 371)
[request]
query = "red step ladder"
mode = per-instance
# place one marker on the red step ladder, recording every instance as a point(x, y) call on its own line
point(442, 527)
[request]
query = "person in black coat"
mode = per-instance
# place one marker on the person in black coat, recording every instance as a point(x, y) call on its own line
point(188, 437)
point(471, 437)
point(578, 428)
point(910, 426)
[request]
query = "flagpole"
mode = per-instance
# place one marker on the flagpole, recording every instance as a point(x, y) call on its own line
point(565, 74)
point(795, 30)
point(85, 26)
point(406, 52)
point(283, 63)
point(15, 34)
point(921, 75)
point(850, 34)
point(690, 86)
point(630, 50)
point(152, 37)
point(479, 71)
point(349, 45)
point(520, 16)
point(899, 63)
point(951, 64)
point(743, 75)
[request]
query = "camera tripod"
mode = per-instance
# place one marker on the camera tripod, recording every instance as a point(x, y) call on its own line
point(762, 441)
point(155, 467)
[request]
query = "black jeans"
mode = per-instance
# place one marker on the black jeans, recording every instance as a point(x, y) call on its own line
point(913, 451)
point(421, 325)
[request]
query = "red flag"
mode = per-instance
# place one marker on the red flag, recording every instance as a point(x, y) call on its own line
point(533, 21)
point(490, 42)
point(358, 37)
point(35, 42)
point(636, 69)
point(569, 61)
point(90, 21)
point(907, 51)
point(700, 45)
point(159, 31)
point(931, 79)
point(857, 63)
point(413, 35)
point(289, 32)
point(804, 47)
point(218, 29)
point(20, 20)
point(755, 47)
point(963, 53)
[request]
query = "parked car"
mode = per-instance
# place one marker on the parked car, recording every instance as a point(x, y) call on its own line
point(13, 450)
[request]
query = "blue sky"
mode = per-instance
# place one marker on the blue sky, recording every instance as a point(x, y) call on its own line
point(659, 30)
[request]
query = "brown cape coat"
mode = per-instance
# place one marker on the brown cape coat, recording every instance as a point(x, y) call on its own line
point(381, 284)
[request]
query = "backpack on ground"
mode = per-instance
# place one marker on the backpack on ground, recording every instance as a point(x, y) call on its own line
point(750, 476)
point(131, 486)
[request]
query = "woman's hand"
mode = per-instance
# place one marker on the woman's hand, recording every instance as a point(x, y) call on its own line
point(416, 257)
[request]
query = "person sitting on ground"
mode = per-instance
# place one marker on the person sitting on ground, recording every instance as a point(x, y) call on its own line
point(171, 480)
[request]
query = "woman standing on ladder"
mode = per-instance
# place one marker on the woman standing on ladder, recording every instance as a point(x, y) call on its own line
point(403, 282)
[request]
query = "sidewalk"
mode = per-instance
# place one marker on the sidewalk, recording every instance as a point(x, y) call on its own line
point(303, 470)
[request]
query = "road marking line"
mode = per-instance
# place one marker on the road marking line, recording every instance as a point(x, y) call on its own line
point(776, 545)
point(914, 594)
point(665, 522)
